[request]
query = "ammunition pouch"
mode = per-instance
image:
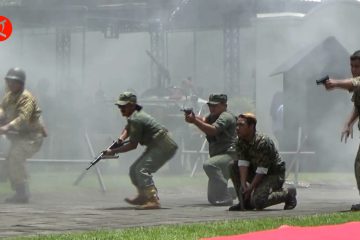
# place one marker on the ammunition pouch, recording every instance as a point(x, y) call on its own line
point(164, 141)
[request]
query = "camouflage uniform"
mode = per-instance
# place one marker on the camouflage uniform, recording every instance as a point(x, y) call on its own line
point(356, 100)
point(21, 112)
point(221, 151)
point(160, 148)
point(261, 156)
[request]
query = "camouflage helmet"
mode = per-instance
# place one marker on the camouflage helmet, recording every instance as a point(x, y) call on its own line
point(16, 74)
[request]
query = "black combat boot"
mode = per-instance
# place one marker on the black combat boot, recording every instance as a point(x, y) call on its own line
point(224, 199)
point(291, 201)
point(22, 195)
point(247, 206)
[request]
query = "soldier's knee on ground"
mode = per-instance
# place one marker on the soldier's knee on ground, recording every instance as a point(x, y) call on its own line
point(258, 203)
point(208, 167)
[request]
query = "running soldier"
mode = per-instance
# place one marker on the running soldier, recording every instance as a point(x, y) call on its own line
point(160, 148)
point(20, 121)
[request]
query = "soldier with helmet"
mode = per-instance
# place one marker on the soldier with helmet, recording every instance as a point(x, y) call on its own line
point(20, 121)
point(160, 148)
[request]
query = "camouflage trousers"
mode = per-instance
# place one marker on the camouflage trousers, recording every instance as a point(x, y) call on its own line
point(150, 161)
point(14, 166)
point(269, 192)
point(357, 169)
point(216, 168)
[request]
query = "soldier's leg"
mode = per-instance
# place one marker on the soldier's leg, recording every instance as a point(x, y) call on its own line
point(356, 207)
point(16, 168)
point(140, 199)
point(236, 180)
point(270, 192)
point(216, 168)
point(151, 162)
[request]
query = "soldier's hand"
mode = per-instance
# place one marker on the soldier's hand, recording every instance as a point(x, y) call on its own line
point(4, 129)
point(190, 118)
point(346, 132)
point(119, 141)
point(246, 191)
point(108, 152)
point(330, 84)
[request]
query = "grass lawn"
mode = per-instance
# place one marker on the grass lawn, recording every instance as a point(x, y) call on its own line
point(206, 230)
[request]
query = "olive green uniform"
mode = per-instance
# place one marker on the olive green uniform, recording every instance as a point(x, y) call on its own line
point(221, 151)
point(142, 128)
point(160, 147)
point(261, 157)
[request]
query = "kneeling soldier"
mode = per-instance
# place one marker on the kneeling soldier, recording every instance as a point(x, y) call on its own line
point(259, 164)
point(160, 148)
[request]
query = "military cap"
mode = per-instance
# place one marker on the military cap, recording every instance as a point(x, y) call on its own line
point(217, 98)
point(127, 97)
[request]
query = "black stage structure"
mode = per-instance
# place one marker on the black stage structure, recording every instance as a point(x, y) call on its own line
point(157, 17)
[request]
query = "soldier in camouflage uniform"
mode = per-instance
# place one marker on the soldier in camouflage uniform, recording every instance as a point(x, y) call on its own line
point(19, 114)
point(352, 85)
point(219, 127)
point(258, 163)
point(160, 147)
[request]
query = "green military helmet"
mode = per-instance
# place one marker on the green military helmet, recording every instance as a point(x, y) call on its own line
point(16, 74)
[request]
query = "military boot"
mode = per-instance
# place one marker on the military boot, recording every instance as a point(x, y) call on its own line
point(22, 195)
point(152, 201)
point(291, 201)
point(140, 199)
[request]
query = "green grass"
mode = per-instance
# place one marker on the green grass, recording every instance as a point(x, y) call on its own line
point(206, 230)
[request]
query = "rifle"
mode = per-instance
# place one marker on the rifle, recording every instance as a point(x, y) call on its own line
point(241, 198)
point(113, 145)
point(186, 110)
point(322, 80)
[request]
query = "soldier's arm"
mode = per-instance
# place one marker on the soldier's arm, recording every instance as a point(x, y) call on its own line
point(2, 109)
point(353, 116)
point(221, 124)
point(354, 113)
point(25, 109)
point(135, 138)
point(201, 118)
point(242, 163)
point(265, 154)
point(350, 84)
point(125, 134)
point(243, 169)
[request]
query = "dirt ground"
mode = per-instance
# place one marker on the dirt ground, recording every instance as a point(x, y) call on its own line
point(63, 212)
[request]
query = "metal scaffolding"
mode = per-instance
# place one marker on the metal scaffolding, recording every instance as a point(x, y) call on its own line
point(63, 52)
point(157, 49)
point(231, 55)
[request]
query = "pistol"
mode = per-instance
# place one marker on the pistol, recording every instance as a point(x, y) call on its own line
point(322, 80)
point(186, 110)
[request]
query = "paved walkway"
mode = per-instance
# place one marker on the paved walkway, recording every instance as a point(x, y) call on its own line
point(58, 212)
